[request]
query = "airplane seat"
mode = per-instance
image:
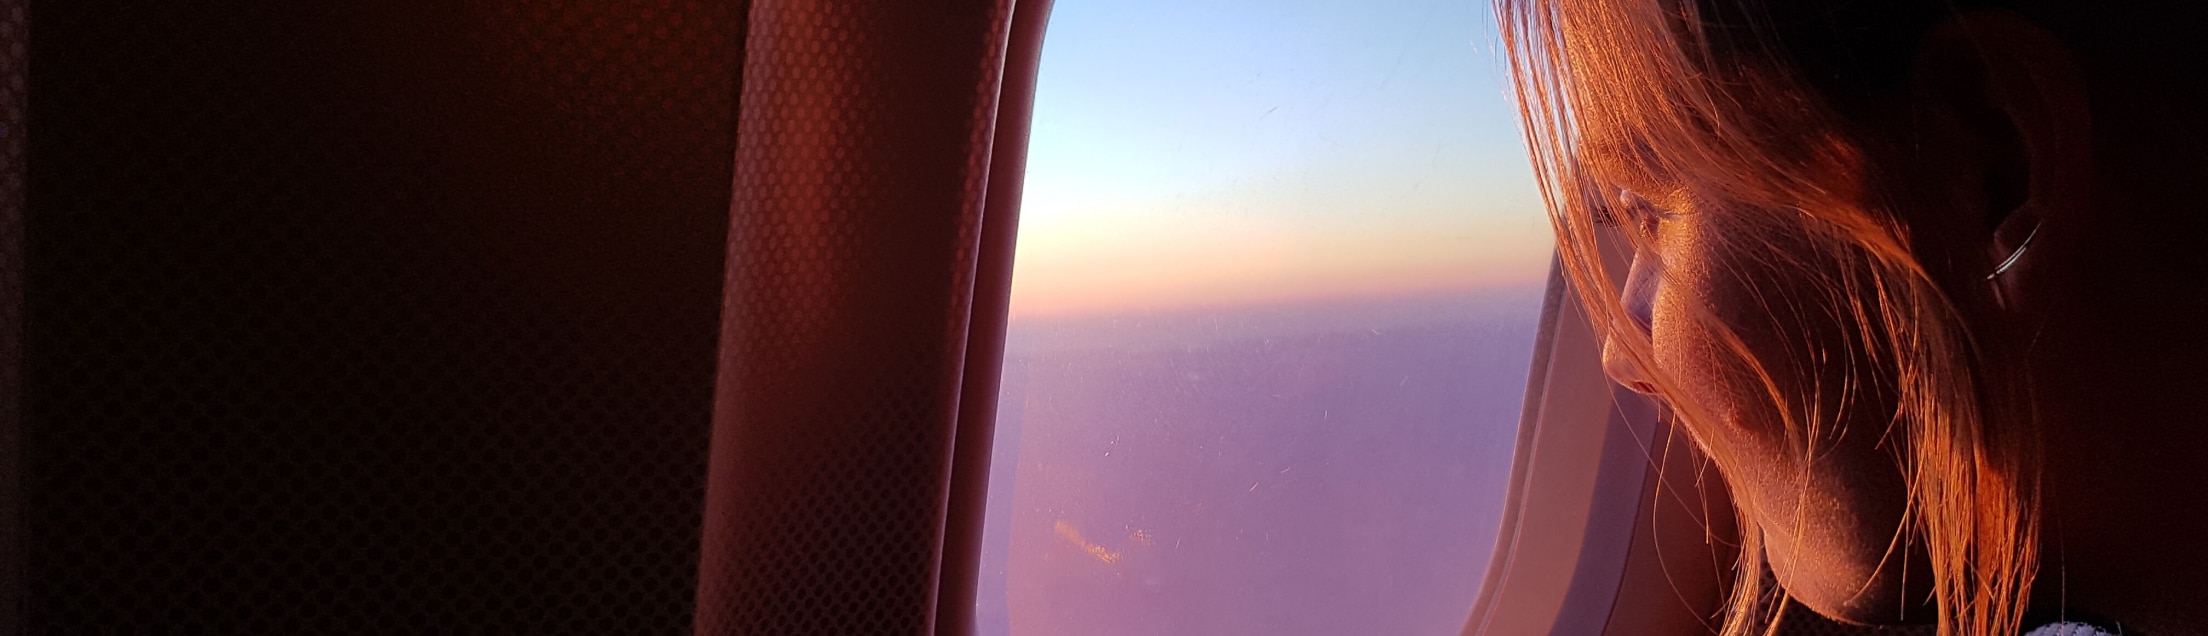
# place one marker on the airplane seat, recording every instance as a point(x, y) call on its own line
point(362, 317)
point(512, 315)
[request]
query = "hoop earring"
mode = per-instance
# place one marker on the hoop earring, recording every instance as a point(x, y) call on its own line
point(2006, 263)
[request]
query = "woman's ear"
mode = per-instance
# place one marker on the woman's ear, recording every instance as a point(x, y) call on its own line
point(2004, 133)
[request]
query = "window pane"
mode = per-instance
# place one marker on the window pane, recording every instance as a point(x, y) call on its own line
point(1275, 299)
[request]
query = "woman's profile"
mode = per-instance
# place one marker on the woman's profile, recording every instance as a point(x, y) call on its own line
point(1926, 280)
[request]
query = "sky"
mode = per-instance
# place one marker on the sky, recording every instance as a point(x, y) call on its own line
point(1217, 153)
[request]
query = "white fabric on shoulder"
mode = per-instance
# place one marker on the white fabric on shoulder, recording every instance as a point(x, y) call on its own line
point(2069, 629)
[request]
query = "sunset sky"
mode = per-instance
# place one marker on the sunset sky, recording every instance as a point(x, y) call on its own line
point(1231, 152)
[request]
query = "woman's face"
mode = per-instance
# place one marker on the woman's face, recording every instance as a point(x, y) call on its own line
point(1823, 484)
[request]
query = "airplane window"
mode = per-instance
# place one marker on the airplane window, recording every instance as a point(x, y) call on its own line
point(1279, 270)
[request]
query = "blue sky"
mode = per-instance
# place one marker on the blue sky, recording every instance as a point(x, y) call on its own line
point(1224, 152)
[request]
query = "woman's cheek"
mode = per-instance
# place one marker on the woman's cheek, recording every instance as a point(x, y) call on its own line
point(1734, 335)
point(1698, 327)
point(1742, 430)
point(1692, 347)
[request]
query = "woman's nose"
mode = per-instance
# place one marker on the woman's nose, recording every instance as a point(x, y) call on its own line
point(1638, 298)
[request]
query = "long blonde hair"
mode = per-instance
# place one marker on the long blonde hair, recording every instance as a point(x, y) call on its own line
point(1715, 102)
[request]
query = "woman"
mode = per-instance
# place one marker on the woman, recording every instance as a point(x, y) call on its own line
point(1926, 279)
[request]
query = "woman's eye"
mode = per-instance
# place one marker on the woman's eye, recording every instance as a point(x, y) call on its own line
point(1632, 211)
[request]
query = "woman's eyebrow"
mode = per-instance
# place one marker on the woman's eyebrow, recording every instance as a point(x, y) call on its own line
point(1626, 164)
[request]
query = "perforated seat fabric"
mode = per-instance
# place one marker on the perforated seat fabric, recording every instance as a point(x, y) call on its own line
point(397, 317)
point(369, 317)
point(1800, 621)
point(13, 606)
point(862, 175)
